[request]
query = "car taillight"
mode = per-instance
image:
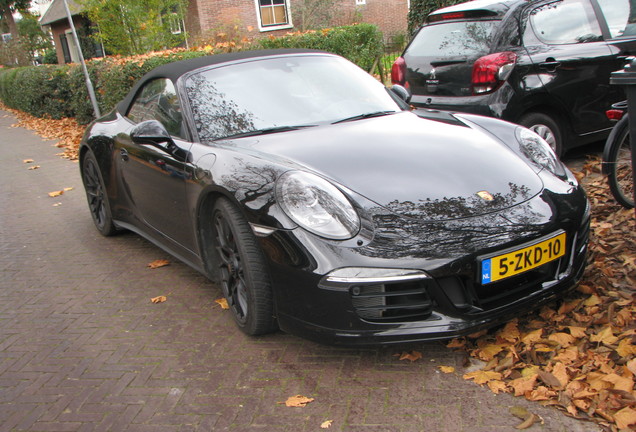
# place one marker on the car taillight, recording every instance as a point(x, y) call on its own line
point(492, 70)
point(398, 71)
point(614, 114)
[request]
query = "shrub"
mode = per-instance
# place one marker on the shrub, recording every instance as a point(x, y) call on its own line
point(360, 43)
point(42, 91)
point(50, 57)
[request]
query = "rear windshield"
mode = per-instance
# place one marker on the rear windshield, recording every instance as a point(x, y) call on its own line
point(453, 39)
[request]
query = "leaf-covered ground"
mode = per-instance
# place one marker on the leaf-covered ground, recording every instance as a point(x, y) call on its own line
point(66, 131)
point(577, 355)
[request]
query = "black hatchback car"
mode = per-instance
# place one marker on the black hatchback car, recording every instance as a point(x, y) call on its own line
point(544, 64)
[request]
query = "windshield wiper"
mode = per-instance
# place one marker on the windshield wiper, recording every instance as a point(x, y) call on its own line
point(266, 131)
point(365, 116)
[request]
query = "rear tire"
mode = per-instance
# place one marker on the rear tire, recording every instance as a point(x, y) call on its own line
point(548, 129)
point(242, 272)
point(617, 164)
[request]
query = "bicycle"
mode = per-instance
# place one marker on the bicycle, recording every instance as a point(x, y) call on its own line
point(617, 157)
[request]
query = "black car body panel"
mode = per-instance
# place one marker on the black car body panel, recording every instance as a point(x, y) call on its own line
point(436, 195)
point(566, 80)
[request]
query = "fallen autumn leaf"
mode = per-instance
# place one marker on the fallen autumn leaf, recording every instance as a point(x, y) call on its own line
point(158, 263)
point(410, 356)
point(223, 303)
point(297, 401)
point(326, 424)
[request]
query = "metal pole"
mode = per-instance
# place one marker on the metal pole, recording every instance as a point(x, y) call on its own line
point(89, 83)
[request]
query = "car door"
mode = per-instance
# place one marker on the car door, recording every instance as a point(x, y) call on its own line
point(619, 20)
point(565, 43)
point(154, 175)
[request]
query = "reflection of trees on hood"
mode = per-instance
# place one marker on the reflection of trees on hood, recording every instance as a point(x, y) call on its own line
point(459, 207)
point(254, 185)
point(215, 116)
point(453, 227)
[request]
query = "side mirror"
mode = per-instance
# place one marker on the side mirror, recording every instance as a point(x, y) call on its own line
point(151, 132)
point(154, 133)
point(401, 92)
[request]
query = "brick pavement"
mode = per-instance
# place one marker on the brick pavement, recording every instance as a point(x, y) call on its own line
point(83, 349)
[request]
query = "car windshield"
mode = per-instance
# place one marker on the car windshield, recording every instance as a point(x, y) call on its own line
point(281, 94)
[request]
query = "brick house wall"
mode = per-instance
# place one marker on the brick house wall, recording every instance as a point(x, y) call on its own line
point(59, 30)
point(389, 15)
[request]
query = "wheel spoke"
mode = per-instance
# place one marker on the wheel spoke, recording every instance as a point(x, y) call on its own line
point(233, 284)
point(95, 193)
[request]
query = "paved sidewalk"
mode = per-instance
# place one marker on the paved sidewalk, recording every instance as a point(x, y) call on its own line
point(82, 348)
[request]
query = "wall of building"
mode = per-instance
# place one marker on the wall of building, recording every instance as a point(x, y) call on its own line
point(389, 15)
point(59, 28)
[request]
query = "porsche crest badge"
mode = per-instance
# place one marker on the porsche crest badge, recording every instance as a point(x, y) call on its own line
point(485, 195)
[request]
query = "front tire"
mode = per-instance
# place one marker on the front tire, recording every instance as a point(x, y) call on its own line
point(242, 271)
point(97, 196)
point(548, 129)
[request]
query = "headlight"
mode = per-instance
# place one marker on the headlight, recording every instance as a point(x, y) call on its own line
point(538, 151)
point(317, 205)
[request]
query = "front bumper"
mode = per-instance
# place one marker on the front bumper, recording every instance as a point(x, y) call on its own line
point(400, 289)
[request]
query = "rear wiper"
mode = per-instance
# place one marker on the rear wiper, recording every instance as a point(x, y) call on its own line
point(267, 131)
point(365, 116)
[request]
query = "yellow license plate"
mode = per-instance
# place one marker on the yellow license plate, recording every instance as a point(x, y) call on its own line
point(521, 260)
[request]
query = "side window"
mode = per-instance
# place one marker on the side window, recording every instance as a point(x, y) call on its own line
point(565, 22)
point(158, 100)
point(620, 16)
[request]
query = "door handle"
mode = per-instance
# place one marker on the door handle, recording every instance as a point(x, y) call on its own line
point(123, 153)
point(550, 64)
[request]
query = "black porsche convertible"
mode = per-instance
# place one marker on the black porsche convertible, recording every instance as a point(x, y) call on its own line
point(324, 205)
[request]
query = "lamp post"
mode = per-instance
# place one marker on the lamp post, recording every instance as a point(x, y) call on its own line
point(89, 83)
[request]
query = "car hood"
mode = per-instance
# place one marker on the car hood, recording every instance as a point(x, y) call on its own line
point(408, 165)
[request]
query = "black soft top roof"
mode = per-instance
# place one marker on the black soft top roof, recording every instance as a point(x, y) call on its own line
point(176, 69)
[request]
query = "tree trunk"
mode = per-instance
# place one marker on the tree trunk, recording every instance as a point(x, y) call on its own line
point(7, 15)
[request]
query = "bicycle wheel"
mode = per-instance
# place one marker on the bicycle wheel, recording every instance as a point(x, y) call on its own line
point(617, 164)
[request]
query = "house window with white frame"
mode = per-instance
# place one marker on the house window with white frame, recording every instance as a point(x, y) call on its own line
point(361, 2)
point(273, 14)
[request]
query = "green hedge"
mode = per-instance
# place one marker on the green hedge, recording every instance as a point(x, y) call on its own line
point(58, 91)
point(360, 43)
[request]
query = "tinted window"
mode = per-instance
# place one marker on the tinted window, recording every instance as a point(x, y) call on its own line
point(158, 100)
point(453, 39)
point(277, 92)
point(620, 17)
point(565, 22)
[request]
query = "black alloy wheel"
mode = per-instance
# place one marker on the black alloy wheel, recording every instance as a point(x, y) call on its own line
point(242, 272)
point(96, 196)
